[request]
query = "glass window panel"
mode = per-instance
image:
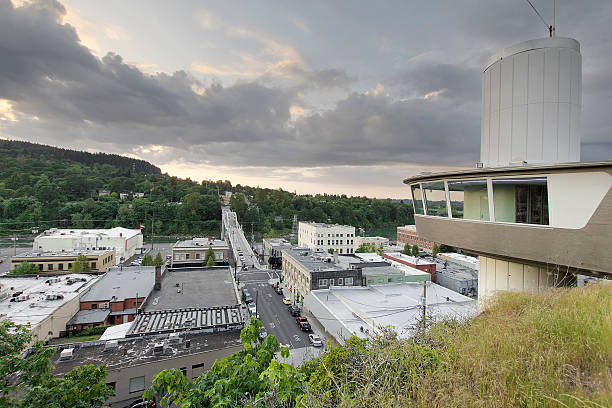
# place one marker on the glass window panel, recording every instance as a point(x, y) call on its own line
point(435, 198)
point(521, 200)
point(137, 384)
point(469, 199)
point(417, 199)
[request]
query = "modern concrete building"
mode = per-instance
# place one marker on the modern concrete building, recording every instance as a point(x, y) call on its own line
point(125, 242)
point(192, 252)
point(534, 214)
point(61, 261)
point(408, 235)
point(46, 304)
point(305, 270)
point(377, 270)
point(319, 236)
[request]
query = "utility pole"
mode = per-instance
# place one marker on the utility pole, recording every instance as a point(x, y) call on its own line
point(152, 219)
point(424, 301)
point(14, 245)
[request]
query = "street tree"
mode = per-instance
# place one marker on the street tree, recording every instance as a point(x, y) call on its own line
point(80, 265)
point(147, 260)
point(25, 268)
point(158, 261)
point(415, 250)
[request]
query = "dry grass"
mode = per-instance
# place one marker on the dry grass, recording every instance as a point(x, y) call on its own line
point(546, 349)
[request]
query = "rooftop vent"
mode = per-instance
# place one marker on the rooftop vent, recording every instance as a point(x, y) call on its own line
point(159, 348)
point(67, 354)
point(111, 345)
point(174, 338)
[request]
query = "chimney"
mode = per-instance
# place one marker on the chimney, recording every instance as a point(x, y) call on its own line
point(158, 277)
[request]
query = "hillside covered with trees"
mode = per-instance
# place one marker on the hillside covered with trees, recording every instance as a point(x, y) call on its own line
point(43, 187)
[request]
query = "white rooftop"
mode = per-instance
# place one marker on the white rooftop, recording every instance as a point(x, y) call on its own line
point(415, 260)
point(200, 242)
point(461, 259)
point(409, 227)
point(374, 257)
point(67, 253)
point(395, 305)
point(37, 308)
point(116, 332)
point(325, 225)
point(75, 233)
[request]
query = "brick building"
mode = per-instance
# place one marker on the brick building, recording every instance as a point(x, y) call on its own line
point(192, 252)
point(413, 262)
point(409, 235)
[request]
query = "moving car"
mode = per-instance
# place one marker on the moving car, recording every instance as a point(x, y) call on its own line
point(315, 340)
point(294, 310)
point(287, 301)
point(303, 323)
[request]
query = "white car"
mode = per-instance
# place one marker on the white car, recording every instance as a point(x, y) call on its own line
point(315, 340)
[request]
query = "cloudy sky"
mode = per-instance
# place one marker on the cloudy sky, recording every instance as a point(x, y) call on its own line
point(339, 97)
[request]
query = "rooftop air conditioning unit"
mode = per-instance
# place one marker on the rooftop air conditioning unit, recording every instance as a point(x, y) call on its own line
point(111, 345)
point(159, 348)
point(67, 354)
point(174, 338)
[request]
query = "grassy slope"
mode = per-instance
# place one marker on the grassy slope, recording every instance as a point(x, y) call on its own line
point(552, 348)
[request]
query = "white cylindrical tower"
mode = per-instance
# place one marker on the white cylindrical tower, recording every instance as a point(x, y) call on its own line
point(531, 103)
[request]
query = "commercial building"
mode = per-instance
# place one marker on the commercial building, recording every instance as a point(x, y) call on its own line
point(125, 242)
point(408, 235)
point(61, 261)
point(115, 297)
point(533, 213)
point(377, 270)
point(305, 270)
point(457, 272)
point(376, 241)
point(273, 251)
point(416, 262)
point(325, 237)
point(192, 252)
point(45, 303)
point(189, 320)
point(366, 311)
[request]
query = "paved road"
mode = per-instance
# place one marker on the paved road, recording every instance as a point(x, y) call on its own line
point(272, 312)
point(6, 254)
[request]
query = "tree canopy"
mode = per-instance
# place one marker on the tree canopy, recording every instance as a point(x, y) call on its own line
point(80, 265)
point(25, 268)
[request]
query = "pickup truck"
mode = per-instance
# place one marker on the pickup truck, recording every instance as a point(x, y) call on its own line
point(303, 323)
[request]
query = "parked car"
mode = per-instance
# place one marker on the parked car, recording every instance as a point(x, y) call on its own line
point(303, 323)
point(275, 285)
point(294, 310)
point(247, 296)
point(287, 301)
point(278, 290)
point(262, 333)
point(315, 340)
point(252, 309)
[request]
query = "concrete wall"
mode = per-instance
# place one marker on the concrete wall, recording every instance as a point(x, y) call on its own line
point(56, 322)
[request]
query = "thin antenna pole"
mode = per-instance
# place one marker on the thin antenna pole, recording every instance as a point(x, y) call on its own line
point(554, 17)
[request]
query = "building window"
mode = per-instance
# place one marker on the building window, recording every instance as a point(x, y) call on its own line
point(60, 267)
point(331, 282)
point(93, 265)
point(522, 200)
point(435, 198)
point(69, 265)
point(112, 385)
point(197, 256)
point(137, 384)
point(417, 199)
point(340, 281)
point(187, 256)
point(469, 199)
point(50, 267)
point(348, 281)
point(94, 305)
point(322, 282)
point(218, 255)
point(199, 365)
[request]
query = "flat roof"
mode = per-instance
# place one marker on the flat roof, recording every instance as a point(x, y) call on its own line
point(199, 287)
point(199, 243)
point(159, 321)
point(117, 232)
point(312, 261)
point(415, 260)
point(484, 172)
point(139, 350)
point(89, 316)
point(407, 270)
point(122, 283)
point(396, 305)
point(325, 225)
point(461, 259)
point(37, 308)
point(68, 253)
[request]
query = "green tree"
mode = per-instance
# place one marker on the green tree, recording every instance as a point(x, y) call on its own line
point(415, 250)
point(147, 260)
point(209, 258)
point(28, 381)
point(80, 265)
point(25, 268)
point(158, 261)
point(407, 249)
point(367, 248)
point(331, 251)
point(240, 379)
point(210, 262)
point(436, 250)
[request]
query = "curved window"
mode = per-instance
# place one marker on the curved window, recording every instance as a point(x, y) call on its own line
point(521, 200)
point(469, 199)
point(417, 199)
point(435, 198)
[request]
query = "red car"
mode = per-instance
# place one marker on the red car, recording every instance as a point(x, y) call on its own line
point(303, 323)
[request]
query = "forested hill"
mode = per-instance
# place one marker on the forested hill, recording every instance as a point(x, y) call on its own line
point(19, 149)
point(41, 187)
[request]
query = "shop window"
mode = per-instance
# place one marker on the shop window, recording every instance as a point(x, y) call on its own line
point(435, 198)
point(469, 199)
point(521, 200)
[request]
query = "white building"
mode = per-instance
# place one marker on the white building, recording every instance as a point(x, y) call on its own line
point(377, 241)
point(124, 241)
point(45, 304)
point(316, 235)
